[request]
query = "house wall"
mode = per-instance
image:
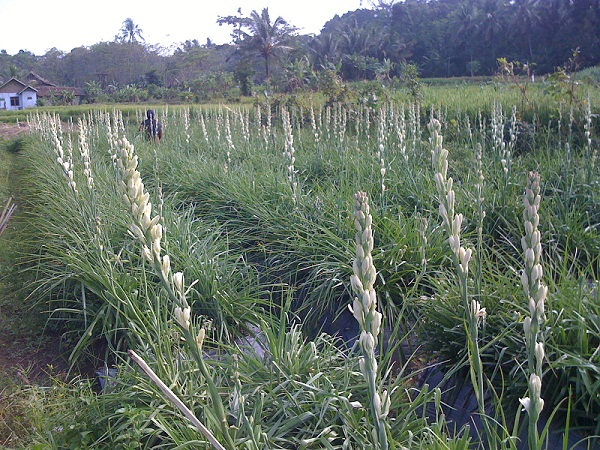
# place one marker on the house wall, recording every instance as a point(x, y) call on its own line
point(28, 98)
point(4, 101)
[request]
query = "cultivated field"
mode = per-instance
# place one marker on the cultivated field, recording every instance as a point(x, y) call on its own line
point(460, 237)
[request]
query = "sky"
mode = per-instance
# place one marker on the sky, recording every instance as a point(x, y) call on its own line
point(39, 25)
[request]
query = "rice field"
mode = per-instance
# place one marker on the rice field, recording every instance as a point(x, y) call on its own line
point(291, 272)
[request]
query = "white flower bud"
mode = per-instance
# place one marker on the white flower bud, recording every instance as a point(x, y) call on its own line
point(457, 224)
point(539, 307)
point(465, 257)
point(200, 338)
point(366, 235)
point(439, 181)
point(363, 367)
point(183, 316)
point(527, 327)
point(166, 266)
point(366, 264)
point(156, 232)
point(539, 352)
point(366, 301)
point(385, 403)
point(178, 281)
point(156, 248)
point(137, 232)
point(525, 281)
point(529, 258)
point(443, 212)
point(454, 242)
point(536, 273)
point(541, 294)
point(377, 403)
point(526, 403)
point(531, 306)
point(357, 311)
point(147, 254)
point(376, 324)
point(359, 251)
point(367, 342)
point(356, 284)
point(536, 237)
point(524, 244)
point(528, 228)
point(535, 386)
point(155, 221)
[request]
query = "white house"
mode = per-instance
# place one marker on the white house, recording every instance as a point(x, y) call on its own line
point(17, 95)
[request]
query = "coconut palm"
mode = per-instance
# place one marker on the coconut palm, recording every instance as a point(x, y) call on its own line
point(466, 30)
point(130, 32)
point(257, 34)
point(490, 23)
point(524, 16)
point(324, 49)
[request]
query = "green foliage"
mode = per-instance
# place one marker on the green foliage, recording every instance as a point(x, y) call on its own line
point(409, 79)
point(243, 76)
point(332, 86)
point(271, 265)
point(590, 75)
point(563, 85)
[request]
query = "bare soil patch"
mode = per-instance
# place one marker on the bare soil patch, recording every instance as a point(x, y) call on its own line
point(11, 130)
point(29, 355)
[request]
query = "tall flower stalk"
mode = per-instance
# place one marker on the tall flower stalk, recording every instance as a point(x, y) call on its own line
point(84, 150)
point(453, 224)
point(381, 144)
point(364, 308)
point(592, 156)
point(63, 159)
point(148, 230)
point(288, 153)
point(536, 292)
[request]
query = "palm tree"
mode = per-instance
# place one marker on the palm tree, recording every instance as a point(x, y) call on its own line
point(256, 34)
point(130, 32)
point(324, 49)
point(490, 24)
point(523, 18)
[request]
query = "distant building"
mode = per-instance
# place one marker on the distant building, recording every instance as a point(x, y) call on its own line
point(50, 93)
point(15, 95)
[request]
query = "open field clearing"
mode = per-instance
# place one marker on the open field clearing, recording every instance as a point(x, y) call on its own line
point(293, 271)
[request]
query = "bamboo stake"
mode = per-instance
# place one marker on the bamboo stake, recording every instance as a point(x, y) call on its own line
point(176, 401)
point(5, 214)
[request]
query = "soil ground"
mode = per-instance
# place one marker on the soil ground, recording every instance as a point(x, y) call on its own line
point(11, 130)
point(26, 352)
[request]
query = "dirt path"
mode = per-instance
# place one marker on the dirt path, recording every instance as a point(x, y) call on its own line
point(25, 353)
point(30, 361)
point(11, 130)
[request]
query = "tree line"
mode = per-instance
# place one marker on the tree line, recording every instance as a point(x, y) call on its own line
point(389, 39)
